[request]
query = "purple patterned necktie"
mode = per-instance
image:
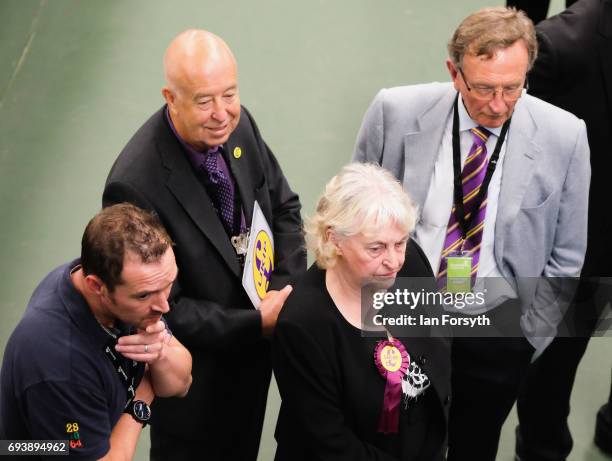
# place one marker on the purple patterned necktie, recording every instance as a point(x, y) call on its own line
point(223, 197)
point(472, 176)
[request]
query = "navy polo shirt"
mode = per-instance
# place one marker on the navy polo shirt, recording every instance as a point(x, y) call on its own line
point(57, 383)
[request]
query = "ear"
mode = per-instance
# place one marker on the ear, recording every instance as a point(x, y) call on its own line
point(452, 70)
point(95, 285)
point(454, 73)
point(331, 237)
point(168, 96)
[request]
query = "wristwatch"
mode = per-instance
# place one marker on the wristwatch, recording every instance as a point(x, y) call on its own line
point(140, 411)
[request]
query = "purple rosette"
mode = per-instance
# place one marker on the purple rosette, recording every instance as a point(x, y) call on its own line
point(392, 361)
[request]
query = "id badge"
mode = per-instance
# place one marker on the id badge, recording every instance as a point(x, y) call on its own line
point(240, 243)
point(459, 272)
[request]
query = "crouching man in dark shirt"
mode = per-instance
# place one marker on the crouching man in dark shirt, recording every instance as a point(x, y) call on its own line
point(92, 349)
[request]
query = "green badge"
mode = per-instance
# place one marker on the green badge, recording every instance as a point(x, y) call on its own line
point(459, 274)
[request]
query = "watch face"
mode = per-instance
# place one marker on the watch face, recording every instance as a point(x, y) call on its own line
point(142, 410)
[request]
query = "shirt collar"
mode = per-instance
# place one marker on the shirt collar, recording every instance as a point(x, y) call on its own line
point(467, 123)
point(80, 311)
point(77, 307)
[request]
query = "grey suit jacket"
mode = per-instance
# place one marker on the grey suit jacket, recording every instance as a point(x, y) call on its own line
point(541, 223)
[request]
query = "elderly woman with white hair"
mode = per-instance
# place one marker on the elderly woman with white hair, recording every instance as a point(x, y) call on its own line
point(338, 397)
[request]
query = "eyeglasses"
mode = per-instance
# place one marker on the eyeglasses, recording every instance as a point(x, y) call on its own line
point(486, 93)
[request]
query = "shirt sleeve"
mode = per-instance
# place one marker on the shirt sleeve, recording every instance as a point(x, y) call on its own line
point(59, 410)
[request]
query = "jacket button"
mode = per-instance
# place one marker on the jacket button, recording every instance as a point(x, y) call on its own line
point(422, 360)
point(447, 400)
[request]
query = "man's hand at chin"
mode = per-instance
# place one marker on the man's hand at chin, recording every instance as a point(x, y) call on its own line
point(146, 345)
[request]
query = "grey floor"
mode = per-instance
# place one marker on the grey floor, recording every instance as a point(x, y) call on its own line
point(77, 77)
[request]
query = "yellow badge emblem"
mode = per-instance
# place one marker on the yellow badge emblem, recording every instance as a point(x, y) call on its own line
point(263, 263)
point(391, 358)
point(237, 152)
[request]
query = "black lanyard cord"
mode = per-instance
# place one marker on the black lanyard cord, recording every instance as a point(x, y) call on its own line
point(129, 373)
point(458, 187)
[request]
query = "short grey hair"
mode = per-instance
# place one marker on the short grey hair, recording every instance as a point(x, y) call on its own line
point(487, 30)
point(361, 198)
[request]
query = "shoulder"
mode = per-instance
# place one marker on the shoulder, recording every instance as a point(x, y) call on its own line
point(416, 263)
point(146, 134)
point(573, 28)
point(255, 154)
point(247, 127)
point(46, 345)
point(422, 91)
point(142, 169)
point(398, 110)
point(550, 119)
point(46, 308)
point(557, 138)
point(140, 158)
point(408, 98)
point(309, 304)
point(567, 45)
point(58, 357)
point(38, 351)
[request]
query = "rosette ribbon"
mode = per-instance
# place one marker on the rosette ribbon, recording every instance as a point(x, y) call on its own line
point(392, 361)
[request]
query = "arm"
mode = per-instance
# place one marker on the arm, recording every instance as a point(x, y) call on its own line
point(570, 234)
point(169, 362)
point(126, 432)
point(289, 245)
point(554, 291)
point(310, 391)
point(58, 410)
point(270, 308)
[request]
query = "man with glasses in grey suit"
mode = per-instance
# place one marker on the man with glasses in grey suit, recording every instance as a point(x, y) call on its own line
point(502, 179)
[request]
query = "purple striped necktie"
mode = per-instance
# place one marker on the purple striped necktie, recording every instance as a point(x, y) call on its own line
point(223, 197)
point(472, 176)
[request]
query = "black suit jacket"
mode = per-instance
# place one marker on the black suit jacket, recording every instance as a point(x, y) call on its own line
point(574, 71)
point(210, 311)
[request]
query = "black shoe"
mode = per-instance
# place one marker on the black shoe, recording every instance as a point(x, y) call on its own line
point(603, 429)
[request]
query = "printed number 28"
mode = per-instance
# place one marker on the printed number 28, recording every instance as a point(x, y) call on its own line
point(72, 427)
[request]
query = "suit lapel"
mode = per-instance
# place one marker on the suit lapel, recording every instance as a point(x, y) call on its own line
point(521, 150)
point(238, 158)
point(192, 196)
point(421, 147)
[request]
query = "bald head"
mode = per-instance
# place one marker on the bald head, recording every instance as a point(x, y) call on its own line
point(201, 88)
point(192, 52)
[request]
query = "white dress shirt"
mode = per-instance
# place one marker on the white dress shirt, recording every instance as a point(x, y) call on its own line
point(431, 229)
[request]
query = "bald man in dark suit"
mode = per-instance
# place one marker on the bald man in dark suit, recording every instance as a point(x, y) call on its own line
point(200, 163)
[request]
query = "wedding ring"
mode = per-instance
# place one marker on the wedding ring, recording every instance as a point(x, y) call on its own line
point(146, 348)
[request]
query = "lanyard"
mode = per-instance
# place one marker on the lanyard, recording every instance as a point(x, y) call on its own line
point(458, 187)
point(129, 372)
